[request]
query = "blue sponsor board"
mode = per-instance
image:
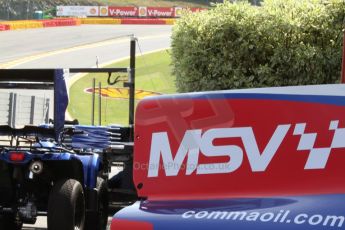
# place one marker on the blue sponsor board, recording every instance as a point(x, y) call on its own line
point(295, 212)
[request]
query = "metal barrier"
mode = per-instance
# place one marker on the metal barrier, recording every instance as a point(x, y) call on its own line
point(18, 110)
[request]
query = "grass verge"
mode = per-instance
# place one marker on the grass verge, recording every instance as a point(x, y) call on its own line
point(153, 73)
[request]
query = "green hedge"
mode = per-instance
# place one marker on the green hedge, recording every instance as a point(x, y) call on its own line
point(284, 42)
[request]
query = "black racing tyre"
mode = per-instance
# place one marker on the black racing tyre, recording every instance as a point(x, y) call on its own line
point(98, 220)
point(8, 222)
point(66, 206)
point(103, 205)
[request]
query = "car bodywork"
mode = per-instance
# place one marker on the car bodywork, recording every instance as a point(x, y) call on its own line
point(264, 158)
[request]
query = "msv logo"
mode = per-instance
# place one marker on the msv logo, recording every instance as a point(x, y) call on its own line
point(195, 142)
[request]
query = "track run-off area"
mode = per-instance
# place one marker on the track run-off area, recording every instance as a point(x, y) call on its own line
point(81, 46)
point(77, 47)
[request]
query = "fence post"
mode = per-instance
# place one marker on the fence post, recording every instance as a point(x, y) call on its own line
point(343, 61)
point(93, 102)
point(47, 110)
point(32, 110)
point(99, 103)
point(12, 110)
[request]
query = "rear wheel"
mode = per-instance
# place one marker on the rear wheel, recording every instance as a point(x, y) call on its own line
point(98, 220)
point(9, 222)
point(66, 206)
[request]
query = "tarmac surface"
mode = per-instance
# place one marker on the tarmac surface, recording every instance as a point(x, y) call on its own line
point(78, 46)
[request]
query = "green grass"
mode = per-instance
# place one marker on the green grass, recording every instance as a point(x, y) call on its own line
point(153, 73)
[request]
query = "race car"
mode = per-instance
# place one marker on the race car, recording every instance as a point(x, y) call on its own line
point(269, 158)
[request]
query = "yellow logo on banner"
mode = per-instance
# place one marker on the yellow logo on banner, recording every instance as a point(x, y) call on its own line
point(178, 11)
point(122, 93)
point(142, 11)
point(104, 11)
